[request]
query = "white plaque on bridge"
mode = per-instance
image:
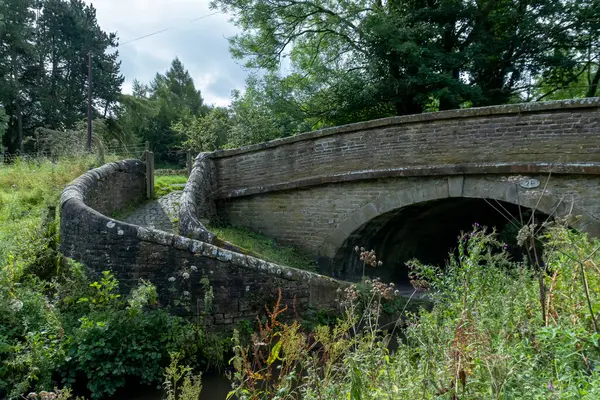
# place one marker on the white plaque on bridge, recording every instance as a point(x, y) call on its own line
point(530, 183)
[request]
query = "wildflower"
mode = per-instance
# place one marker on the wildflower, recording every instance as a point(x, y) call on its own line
point(396, 292)
point(379, 263)
point(476, 225)
point(194, 268)
point(357, 249)
point(172, 279)
point(505, 246)
point(185, 275)
point(550, 386)
point(186, 294)
point(16, 305)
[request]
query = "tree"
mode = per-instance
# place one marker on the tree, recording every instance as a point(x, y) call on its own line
point(178, 87)
point(370, 58)
point(68, 33)
point(204, 133)
point(44, 48)
point(152, 111)
point(16, 65)
point(251, 121)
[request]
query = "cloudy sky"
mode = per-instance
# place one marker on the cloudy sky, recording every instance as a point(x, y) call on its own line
point(201, 46)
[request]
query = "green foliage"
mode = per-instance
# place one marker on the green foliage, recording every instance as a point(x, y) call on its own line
point(355, 60)
point(487, 336)
point(263, 247)
point(191, 386)
point(265, 111)
point(153, 111)
point(59, 328)
point(43, 66)
point(110, 346)
point(104, 294)
point(203, 133)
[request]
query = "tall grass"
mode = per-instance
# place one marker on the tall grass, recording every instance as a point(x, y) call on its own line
point(485, 338)
point(27, 188)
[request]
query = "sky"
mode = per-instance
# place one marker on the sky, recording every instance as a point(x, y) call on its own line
point(202, 46)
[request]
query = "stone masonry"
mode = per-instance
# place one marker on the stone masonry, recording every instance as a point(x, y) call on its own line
point(241, 284)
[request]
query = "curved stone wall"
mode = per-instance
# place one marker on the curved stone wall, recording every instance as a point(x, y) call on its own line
point(241, 284)
point(196, 201)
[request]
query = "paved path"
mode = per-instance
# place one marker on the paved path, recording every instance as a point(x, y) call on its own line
point(158, 214)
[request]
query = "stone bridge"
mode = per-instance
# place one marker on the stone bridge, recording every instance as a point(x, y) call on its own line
point(405, 186)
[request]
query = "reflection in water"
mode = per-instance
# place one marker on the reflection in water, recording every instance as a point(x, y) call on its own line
point(214, 387)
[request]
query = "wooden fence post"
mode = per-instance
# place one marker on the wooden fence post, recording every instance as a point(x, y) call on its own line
point(149, 174)
point(189, 162)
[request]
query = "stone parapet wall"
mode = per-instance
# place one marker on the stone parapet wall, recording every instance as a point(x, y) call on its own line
point(512, 137)
point(197, 201)
point(314, 189)
point(241, 284)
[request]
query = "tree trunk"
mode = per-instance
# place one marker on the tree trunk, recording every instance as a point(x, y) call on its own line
point(593, 89)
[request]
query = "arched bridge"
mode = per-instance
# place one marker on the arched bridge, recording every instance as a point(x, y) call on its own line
point(405, 186)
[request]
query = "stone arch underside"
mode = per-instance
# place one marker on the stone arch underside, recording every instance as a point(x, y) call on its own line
point(424, 220)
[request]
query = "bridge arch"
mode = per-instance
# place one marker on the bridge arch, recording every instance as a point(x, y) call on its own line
point(392, 223)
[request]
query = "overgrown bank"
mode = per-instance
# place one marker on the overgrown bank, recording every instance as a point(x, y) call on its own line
point(498, 330)
point(60, 328)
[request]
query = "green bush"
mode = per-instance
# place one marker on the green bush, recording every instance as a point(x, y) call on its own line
point(56, 326)
point(109, 347)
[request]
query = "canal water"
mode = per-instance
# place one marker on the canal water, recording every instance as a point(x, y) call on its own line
point(214, 387)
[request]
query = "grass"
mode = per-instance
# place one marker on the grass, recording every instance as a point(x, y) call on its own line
point(27, 188)
point(164, 185)
point(264, 247)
